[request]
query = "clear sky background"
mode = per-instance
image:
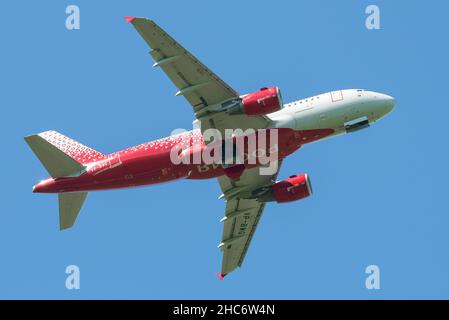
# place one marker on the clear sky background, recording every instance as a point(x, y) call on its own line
point(381, 195)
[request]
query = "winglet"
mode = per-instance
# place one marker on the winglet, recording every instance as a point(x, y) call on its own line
point(129, 19)
point(221, 276)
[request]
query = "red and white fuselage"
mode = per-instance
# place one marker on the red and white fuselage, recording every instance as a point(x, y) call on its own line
point(297, 123)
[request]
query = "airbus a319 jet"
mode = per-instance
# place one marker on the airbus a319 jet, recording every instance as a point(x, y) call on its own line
point(76, 169)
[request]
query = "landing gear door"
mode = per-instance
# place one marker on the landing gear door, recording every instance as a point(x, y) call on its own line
point(356, 124)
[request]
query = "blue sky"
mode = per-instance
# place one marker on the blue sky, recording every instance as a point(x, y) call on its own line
point(380, 195)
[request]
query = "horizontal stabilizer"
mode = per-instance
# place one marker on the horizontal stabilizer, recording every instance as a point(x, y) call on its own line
point(60, 155)
point(57, 163)
point(69, 206)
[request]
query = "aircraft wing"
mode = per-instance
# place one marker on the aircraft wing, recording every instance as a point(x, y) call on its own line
point(197, 83)
point(242, 214)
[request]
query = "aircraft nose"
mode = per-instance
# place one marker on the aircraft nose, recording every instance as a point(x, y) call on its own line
point(384, 103)
point(389, 101)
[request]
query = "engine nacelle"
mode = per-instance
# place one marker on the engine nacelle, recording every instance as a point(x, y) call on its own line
point(264, 101)
point(293, 188)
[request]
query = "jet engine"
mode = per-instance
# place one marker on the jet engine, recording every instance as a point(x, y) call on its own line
point(264, 101)
point(293, 188)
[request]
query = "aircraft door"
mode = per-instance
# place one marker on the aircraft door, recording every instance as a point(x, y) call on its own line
point(337, 96)
point(114, 160)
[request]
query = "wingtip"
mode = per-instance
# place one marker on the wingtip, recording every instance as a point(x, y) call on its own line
point(129, 19)
point(221, 275)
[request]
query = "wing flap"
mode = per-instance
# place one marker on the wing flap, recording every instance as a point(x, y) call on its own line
point(238, 231)
point(183, 69)
point(202, 88)
point(242, 215)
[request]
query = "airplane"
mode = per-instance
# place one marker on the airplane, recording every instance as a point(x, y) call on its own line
point(76, 169)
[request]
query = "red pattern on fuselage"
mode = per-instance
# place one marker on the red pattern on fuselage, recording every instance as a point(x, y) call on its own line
point(150, 163)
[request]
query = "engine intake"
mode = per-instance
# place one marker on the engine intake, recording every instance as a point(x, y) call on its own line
point(293, 188)
point(264, 101)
